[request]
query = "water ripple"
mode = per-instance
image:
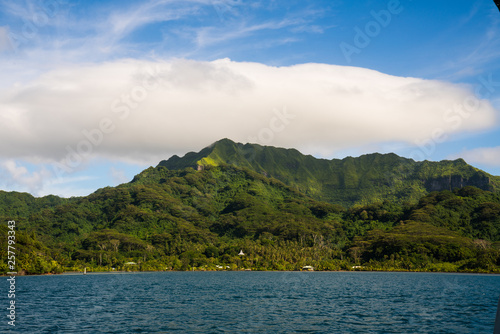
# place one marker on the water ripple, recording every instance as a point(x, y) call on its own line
point(257, 302)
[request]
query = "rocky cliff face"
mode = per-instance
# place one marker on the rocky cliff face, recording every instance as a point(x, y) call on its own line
point(457, 181)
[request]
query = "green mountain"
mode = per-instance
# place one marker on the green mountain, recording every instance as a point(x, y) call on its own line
point(201, 210)
point(175, 216)
point(363, 180)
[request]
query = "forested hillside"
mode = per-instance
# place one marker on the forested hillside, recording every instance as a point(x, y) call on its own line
point(367, 179)
point(185, 219)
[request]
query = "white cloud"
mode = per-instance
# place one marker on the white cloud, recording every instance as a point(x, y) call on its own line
point(5, 44)
point(193, 29)
point(122, 23)
point(211, 35)
point(153, 109)
point(39, 179)
point(54, 32)
point(19, 177)
point(65, 79)
point(487, 156)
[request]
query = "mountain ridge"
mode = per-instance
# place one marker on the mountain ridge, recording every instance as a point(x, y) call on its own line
point(348, 181)
point(184, 219)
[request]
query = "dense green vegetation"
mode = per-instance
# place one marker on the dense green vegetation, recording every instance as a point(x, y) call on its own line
point(183, 219)
point(367, 179)
point(187, 219)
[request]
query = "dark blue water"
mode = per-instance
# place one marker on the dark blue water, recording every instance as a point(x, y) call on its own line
point(255, 302)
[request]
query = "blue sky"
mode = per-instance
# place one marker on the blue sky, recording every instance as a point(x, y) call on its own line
point(93, 92)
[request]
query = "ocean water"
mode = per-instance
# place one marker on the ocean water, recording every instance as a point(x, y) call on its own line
point(254, 302)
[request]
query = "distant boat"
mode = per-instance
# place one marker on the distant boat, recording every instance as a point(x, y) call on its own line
point(308, 268)
point(85, 271)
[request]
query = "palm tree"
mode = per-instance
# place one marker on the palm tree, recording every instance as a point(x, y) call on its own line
point(102, 247)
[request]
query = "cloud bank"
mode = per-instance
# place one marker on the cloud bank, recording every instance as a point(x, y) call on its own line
point(487, 156)
point(144, 111)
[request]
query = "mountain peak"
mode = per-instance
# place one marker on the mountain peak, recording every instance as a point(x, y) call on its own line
point(223, 141)
point(352, 180)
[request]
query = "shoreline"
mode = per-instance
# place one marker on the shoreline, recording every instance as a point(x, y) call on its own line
point(80, 273)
